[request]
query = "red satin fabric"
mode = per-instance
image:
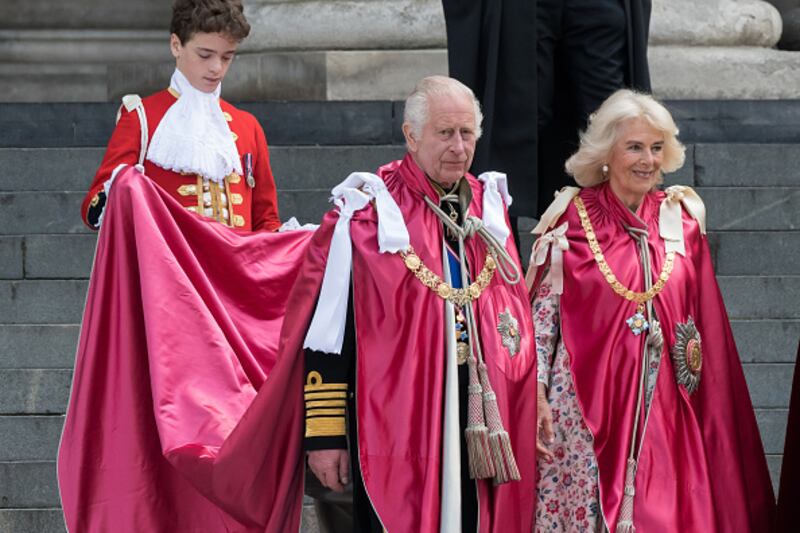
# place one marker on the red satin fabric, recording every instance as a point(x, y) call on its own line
point(702, 466)
point(401, 365)
point(164, 432)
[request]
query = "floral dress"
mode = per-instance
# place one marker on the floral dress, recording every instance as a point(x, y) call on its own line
point(568, 494)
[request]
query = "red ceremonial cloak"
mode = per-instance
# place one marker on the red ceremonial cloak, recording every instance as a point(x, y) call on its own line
point(702, 465)
point(164, 430)
point(400, 363)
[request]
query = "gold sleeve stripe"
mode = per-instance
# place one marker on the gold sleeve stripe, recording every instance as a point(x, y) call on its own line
point(325, 395)
point(325, 427)
point(325, 403)
point(324, 412)
point(325, 387)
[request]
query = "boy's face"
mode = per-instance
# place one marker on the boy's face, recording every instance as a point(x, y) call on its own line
point(204, 59)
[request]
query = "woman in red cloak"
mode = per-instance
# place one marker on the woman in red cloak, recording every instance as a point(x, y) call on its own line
point(645, 421)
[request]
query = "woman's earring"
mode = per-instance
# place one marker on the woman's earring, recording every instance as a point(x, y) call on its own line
point(605, 171)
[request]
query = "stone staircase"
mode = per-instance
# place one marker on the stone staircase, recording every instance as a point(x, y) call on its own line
point(49, 152)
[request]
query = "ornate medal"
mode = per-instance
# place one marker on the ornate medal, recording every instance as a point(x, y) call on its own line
point(462, 339)
point(687, 355)
point(509, 331)
point(638, 323)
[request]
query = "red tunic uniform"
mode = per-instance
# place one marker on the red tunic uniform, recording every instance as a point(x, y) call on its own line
point(233, 203)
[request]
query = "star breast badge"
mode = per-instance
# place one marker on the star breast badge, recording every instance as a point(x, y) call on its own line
point(508, 326)
point(687, 355)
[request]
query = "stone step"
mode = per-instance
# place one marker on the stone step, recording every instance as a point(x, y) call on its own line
point(768, 253)
point(34, 391)
point(294, 167)
point(32, 520)
point(69, 256)
point(378, 122)
point(766, 341)
point(729, 208)
point(747, 165)
point(27, 346)
point(30, 438)
point(52, 520)
point(58, 125)
point(707, 165)
point(42, 302)
point(770, 385)
point(754, 297)
point(61, 301)
point(46, 391)
point(28, 484)
point(752, 208)
point(32, 347)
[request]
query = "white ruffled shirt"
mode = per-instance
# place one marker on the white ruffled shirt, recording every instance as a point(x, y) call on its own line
point(193, 136)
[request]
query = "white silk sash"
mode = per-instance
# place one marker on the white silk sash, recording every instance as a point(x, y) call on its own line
point(555, 243)
point(669, 217)
point(556, 209)
point(496, 200)
point(326, 332)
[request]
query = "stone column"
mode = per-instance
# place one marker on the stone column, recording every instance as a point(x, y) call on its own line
point(339, 49)
point(720, 49)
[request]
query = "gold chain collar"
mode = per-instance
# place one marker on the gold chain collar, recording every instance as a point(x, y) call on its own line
point(445, 291)
point(639, 297)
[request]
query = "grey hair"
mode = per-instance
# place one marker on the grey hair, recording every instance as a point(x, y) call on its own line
point(586, 164)
point(416, 111)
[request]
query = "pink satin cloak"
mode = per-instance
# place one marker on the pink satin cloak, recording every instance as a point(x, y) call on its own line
point(400, 368)
point(164, 432)
point(702, 466)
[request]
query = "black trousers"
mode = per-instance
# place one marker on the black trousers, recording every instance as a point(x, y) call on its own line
point(581, 60)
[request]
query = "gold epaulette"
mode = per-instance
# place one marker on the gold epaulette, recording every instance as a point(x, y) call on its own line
point(325, 407)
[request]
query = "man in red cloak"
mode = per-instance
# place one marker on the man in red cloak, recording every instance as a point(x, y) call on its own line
point(432, 359)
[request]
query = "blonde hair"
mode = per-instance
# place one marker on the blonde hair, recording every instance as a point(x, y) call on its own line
point(416, 110)
point(586, 164)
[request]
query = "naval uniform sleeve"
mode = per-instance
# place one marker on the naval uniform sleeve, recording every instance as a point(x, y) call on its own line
point(123, 147)
point(327, 392)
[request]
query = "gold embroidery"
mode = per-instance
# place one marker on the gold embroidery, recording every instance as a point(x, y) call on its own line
point(325, 427)
point(187, 190)
point(236, 198)
point(235, 137)
point(325, 403)
point(324, 395)
point(233, 178)
point(314, 383)
point(200, 187)
point(95, 201)
point(326, 387)
point(459, 297)
point(173, 92)
point(324, 412)
point(639, 297)
point(227, 116)
point(195, 209)
point(238, 221)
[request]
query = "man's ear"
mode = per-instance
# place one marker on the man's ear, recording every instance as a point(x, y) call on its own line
point(175, 45)
point(408, 133)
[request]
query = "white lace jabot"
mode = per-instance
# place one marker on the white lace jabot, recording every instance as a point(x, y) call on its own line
point(193, 135)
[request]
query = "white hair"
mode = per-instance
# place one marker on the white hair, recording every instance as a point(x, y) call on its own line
point(416, 111)
point(597, 141)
